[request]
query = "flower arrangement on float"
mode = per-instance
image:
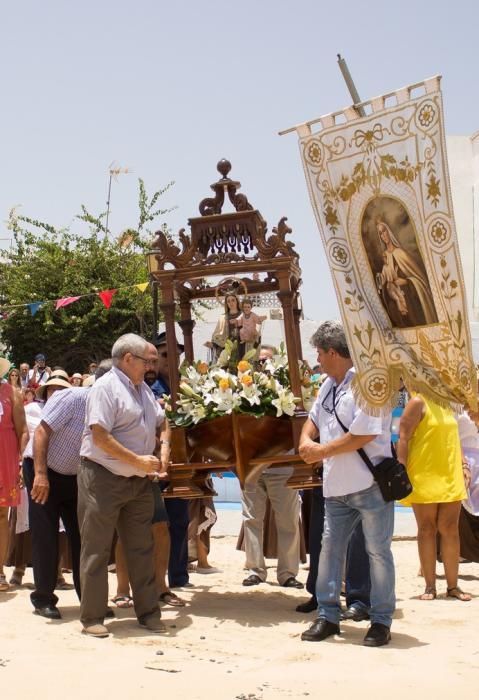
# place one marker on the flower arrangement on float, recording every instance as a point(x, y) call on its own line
point(209, 391)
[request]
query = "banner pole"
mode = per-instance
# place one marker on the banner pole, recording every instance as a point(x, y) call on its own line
point(343, 67)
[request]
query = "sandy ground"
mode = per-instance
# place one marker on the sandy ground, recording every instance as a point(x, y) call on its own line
point(233, 643)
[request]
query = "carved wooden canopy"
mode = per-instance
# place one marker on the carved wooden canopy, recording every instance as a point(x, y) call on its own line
point(224, 244)
point(233, 245)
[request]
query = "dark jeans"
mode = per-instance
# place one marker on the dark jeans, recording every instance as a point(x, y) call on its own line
point(177, 509)
point(44, 524)
point(358, 582)
point(316, 527)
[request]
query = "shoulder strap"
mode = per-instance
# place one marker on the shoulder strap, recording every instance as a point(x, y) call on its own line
point(360, 452)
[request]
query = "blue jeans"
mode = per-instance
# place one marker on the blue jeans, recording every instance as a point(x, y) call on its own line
point(358, 581)
point(342, 513)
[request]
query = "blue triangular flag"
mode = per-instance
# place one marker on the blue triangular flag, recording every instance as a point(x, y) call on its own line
point(34, 307)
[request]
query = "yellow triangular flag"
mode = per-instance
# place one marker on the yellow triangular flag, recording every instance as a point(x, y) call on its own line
point(142, 286)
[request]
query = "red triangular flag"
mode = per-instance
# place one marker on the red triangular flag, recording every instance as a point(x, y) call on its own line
point(65, 302)
point(106, 296)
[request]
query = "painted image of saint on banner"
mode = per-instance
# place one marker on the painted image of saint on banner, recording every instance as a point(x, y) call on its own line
point(396, 263)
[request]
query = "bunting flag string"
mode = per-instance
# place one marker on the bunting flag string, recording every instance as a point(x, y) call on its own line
point(34, 306)
point(106, 296)
point(66, 301)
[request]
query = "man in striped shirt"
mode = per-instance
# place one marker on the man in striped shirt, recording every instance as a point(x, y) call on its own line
point(50, 467)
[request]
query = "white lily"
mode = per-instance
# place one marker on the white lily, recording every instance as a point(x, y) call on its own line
point(225, 400)
point(284, 403)
point(197, 413)
point(251, 394)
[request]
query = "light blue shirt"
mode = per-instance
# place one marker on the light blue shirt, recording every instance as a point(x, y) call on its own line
point(129, 413)
point(347, 473)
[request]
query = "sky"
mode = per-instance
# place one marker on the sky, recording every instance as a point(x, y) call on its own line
point(168, 88)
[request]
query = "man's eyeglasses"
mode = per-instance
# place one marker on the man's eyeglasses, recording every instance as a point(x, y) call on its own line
point(143, 359)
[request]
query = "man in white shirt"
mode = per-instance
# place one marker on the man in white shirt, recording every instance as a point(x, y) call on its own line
point(24, 374)
point(122, 422)
point(40, 372)
point(351, 495)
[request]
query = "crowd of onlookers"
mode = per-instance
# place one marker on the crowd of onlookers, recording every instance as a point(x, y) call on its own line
point(28, 379)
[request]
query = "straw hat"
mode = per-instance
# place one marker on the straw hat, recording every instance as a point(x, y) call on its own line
point(4, 366)
point(77, 375)
point(52, 381)
point(60, 373)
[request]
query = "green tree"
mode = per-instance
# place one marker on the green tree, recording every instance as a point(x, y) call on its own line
point(47, 263)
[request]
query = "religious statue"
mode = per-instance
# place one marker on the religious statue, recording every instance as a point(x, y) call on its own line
point(248, 322)
point(226, 328)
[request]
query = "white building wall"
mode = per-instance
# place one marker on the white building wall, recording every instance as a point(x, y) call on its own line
point(463, 156)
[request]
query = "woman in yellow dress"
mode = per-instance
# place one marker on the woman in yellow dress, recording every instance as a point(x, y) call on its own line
point(429, 447)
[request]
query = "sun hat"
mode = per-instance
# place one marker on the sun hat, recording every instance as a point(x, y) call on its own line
point(77, 375)
point(60, 373)
point(52, 381)
point(4, 366)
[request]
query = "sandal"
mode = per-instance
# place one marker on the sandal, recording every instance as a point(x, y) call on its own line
point(429, 594)
point(170, 598)
point(456, 592)
point(63, 585)
point(4, 586)
point(123, 601)
point(16, 580)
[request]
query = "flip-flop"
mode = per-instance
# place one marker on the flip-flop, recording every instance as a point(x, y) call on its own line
point(122, 601)
point(169, 598)
point(208, 570)
point(456, 592)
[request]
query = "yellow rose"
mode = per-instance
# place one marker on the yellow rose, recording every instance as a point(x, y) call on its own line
point(202, 367)
point(243, 366)
point(224, 384)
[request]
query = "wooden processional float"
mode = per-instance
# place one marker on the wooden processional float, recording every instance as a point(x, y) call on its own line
point(233, 243)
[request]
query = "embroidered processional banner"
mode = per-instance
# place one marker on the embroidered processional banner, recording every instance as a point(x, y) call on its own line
point(379, 186)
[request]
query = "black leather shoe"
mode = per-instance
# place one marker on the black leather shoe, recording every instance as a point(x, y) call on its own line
point(355, 613)
point(292, 582)
point(377, 635)
point(319, 630)
point(310, 606)
point(51, 612)
point(252, 580)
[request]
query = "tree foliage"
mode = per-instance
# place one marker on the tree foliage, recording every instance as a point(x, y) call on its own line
point(46, 263)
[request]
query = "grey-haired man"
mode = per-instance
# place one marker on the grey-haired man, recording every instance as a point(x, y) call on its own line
point(351, 495)
point(122, 422)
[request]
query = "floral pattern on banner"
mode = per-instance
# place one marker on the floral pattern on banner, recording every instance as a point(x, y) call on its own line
point(379, 186)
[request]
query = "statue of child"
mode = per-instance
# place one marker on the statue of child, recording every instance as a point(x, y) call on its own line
point(248, 324)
